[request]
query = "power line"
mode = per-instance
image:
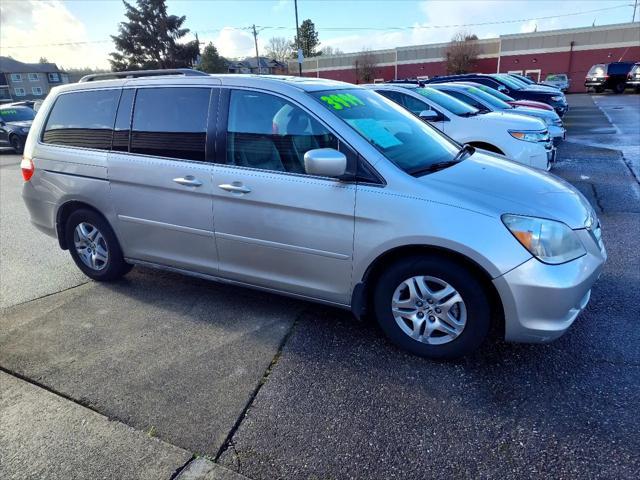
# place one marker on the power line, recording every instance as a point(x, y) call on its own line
point(260, 28)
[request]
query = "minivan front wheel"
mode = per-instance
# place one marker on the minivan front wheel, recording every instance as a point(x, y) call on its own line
point(94, 246)
point(433, 307)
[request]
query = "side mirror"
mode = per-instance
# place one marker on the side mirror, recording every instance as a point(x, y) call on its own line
point(2, 124)
point(428, 115)
point(325, 162)
point(503, 89)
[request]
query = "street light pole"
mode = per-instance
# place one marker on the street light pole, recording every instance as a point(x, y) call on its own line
point(255, 39)
point(295, 3)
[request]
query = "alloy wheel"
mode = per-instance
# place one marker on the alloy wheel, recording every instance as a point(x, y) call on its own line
point(91, 246)
point(429, 310)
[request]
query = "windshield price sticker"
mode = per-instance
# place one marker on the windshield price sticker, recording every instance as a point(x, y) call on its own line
point(338, 101)
point(8, 112)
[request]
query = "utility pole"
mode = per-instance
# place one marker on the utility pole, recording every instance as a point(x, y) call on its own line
point(255, 39)
point(635, 6)
point(295, 3)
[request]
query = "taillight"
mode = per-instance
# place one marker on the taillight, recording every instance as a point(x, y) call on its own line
point(27, 168)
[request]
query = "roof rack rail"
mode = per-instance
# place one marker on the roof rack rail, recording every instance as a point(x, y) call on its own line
point(187, 72)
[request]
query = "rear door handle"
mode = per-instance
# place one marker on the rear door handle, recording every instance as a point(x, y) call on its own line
point(235, 187)
point(188, 181)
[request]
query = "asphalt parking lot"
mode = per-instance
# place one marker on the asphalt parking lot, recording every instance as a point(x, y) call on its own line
point(163, 376)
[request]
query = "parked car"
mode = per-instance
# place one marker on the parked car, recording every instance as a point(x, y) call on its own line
point(531, 85)
point(521, 139)
point(633, 78)
point(608, 76)
point(32, 104)
point(15, 122)
point(558, 80)
point(510, 100)
point(320, 190)
point(511, 88)
point(485, 103)
point(526, 81)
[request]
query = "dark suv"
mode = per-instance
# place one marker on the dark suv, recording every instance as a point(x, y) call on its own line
point(633, 77)
point(608, 76)
point(510, 87)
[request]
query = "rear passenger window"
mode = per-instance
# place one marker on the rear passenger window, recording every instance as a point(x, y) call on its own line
point(82, 119)
point(171, 122)
point(267, 132)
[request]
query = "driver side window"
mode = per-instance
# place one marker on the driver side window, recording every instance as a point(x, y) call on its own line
point(267, 132)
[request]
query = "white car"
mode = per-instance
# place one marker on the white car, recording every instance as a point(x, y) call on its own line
point(519, 138)
point(485, 103)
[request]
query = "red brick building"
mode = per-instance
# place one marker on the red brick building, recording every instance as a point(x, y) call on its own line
point(572, 51)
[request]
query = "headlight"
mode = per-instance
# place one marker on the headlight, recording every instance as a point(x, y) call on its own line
point(529, 136)
point(557, 98)
point(24, 129)
point(547, 240)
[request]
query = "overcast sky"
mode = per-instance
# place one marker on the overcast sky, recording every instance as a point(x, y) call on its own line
point(30, 27)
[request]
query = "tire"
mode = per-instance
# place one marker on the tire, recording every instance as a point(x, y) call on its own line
point(88, 249)
point(619, 88)
point(428, 341)
point(17, 144)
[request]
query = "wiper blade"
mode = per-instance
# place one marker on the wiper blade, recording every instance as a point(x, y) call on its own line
point(469, 114)
point(434, 167)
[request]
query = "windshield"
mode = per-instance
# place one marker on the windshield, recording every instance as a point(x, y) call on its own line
point(17, 114)
point(556, 78)
point(490, 99)
point(496, 93)
point(403, 138)
point(597, 70)
point(453, 105)
point(509, 81)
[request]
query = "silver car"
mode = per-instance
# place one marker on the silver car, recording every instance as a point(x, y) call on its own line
point(315, 189)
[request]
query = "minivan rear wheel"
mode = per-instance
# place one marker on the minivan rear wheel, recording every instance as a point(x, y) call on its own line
point(94, 246)
point(433, 307)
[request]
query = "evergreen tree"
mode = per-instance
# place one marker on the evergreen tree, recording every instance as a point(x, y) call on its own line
point(308, 40)
point(148, 40)
point(211, 61)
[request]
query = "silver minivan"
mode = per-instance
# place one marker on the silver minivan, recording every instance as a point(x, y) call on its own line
point(315, 189)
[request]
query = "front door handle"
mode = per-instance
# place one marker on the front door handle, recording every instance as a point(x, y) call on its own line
point(188, 181)
point(235, 187)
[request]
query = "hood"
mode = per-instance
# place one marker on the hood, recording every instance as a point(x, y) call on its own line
point(22, 123)
point(532, 103)
point(544, 88)
point(495, 185)
point(513, 121)
point(534, 112)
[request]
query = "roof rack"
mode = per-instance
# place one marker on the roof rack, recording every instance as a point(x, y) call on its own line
point(187, 72)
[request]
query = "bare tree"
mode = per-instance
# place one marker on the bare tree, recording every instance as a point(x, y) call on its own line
point(328, 50)
point(279, 48)
point(365, 64)
point(462, 53)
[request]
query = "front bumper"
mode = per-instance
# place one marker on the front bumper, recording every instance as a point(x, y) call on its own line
point(558, 134)
point(541, 301)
